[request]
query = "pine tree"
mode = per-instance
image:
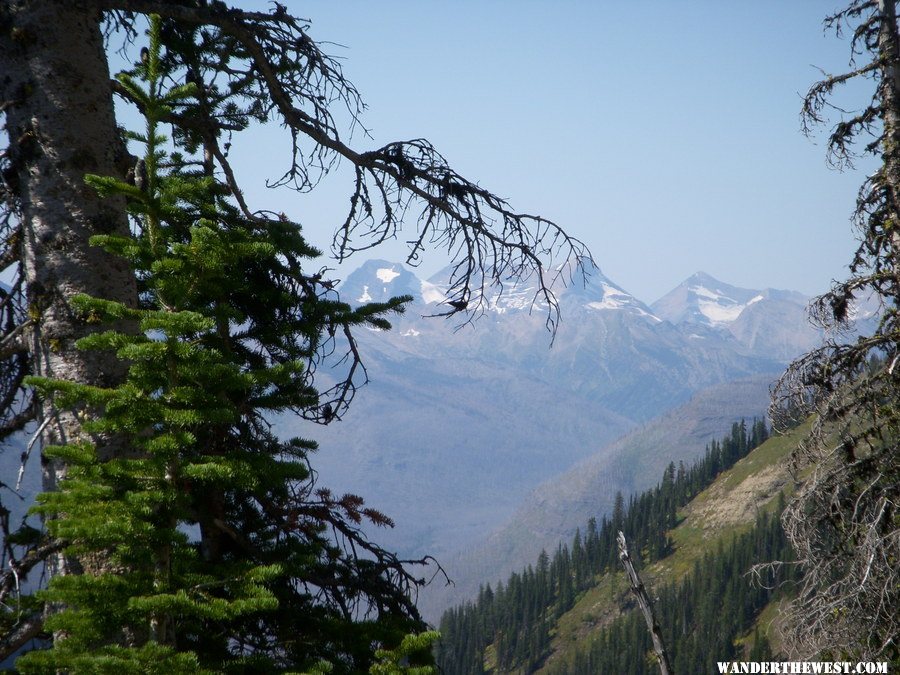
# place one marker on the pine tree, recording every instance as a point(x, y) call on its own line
point(618, 513)
point(843, 520)
point(210, 361)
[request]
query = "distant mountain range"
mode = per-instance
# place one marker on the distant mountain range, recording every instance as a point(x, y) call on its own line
point(457, 427)
point(768, 321)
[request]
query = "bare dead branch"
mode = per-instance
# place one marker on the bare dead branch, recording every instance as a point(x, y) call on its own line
point(640, 592)
point(25, 629)
point(493, 242)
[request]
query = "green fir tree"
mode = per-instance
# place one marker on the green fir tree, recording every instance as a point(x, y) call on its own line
point(207, 547)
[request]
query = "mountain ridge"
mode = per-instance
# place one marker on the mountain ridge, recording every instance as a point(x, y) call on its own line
point(554, 509)
point(457, 427)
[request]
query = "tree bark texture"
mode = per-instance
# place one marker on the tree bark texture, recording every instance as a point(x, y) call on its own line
point(889, 51)
point(55, 90)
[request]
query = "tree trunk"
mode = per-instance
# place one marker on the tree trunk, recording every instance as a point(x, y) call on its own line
point(637, 587)
point(889, 51)
point(60, 123)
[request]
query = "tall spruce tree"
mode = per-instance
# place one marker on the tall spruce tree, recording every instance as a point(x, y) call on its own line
point(181, 534)
point(844, 520)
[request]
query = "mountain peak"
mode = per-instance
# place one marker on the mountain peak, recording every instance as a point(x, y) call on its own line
point(595, 291)
point(768, 322)
point(586, 288)
point(701, 277)
point(703, 299)
point(379, 281)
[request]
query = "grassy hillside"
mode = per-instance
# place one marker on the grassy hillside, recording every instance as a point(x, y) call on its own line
point(726, 509)
point(568, 612)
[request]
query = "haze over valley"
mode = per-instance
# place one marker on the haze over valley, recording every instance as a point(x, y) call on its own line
point(485, 443)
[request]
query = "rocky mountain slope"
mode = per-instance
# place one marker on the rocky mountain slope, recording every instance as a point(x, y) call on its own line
point(458, 426)
point(555, 509)
point(714, 518)
point(695, 534)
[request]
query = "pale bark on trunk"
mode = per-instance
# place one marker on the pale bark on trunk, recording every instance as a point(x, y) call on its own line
point(54, 84)
point(640, 592)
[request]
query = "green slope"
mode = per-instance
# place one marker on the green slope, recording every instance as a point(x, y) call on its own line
point(724, 510)
point(698, 532)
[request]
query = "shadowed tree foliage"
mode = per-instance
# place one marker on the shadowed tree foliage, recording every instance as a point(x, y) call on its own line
point(155, 321)
point(844, 520)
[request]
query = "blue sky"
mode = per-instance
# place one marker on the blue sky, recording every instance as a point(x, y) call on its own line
point(664, 134)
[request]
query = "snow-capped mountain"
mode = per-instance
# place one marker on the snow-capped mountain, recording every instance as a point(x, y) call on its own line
point(766, 322)
point(587, 288)
point(379, 280)
point(594, 291)
point(460, 422)
point(703, 300)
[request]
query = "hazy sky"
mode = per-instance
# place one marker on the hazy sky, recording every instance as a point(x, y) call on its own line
point(664, 134)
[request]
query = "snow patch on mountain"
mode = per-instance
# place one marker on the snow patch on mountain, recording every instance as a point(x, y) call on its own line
point(704, 292)
point(717, 308)
point(515, 298)
point(432, 293)
point(601, 294)
point(720, 305)
point(386, 274)
point(707, 301)
point(365, 297)
point(615, 298)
